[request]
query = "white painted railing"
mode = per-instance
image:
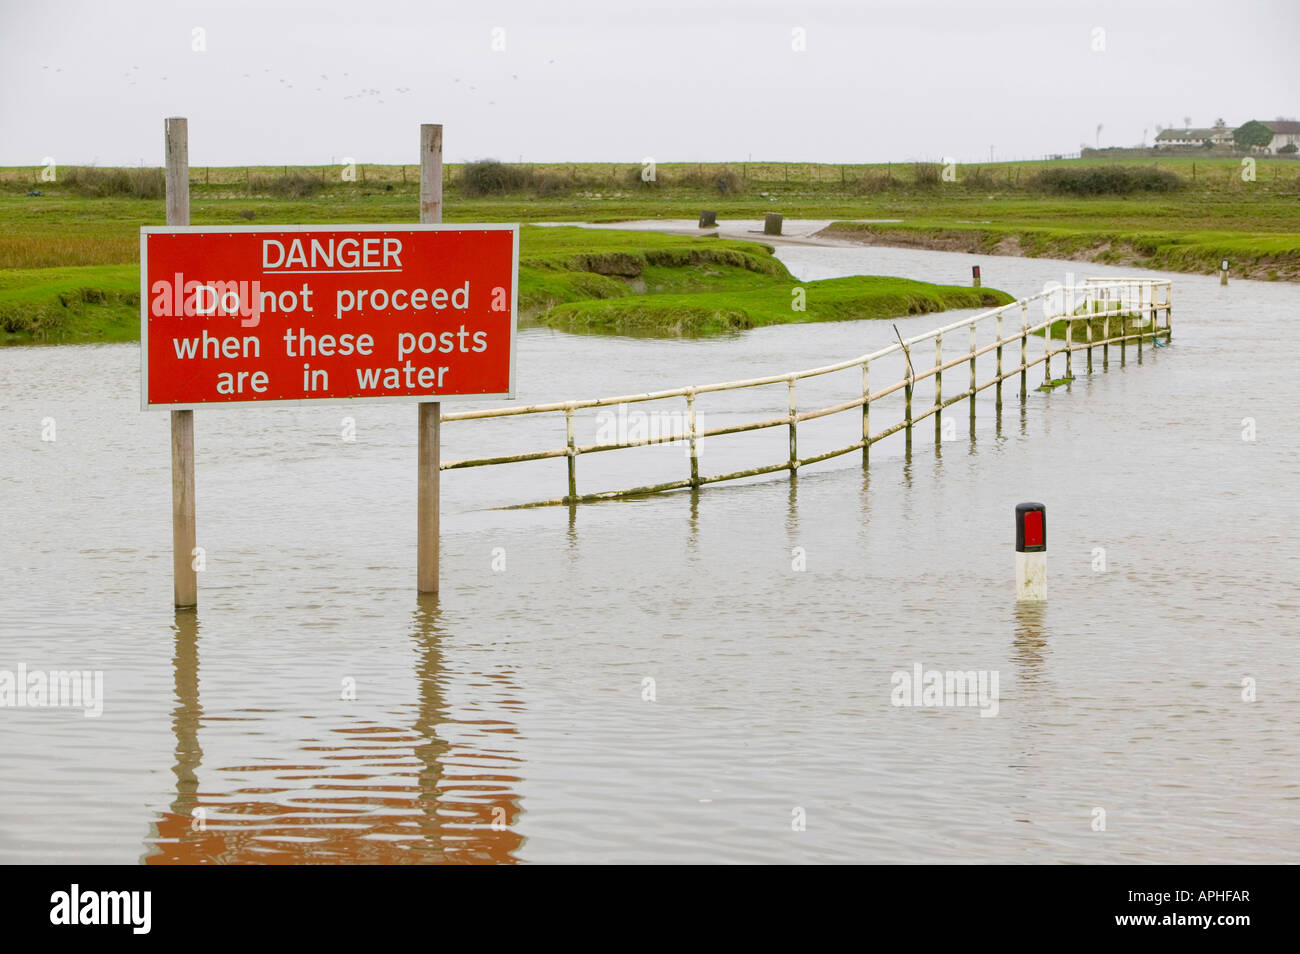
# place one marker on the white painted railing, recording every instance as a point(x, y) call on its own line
point(1105, 311)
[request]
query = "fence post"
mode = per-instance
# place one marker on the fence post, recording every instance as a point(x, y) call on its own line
point(572, 456)
point(866, 413)
point(998, 398)
point(1155, 317)
point(1169, 312)
point(1024, 348)
point(1047, 350)
point(185, 581)
point(938, 389)
point(1069, 346)
point(429, 478)
point(695, 451)
point(1088, 319)
point(972, 379)
point(1105, 335)
point(794, 440)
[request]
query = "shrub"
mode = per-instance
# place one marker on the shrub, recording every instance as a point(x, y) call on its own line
point(926, 174)
point(1106, 180)
point(491, 177)
point(127, 183)
point(294, 185)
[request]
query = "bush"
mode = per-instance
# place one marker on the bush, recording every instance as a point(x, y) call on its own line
point(1106, 180)
point(870, 183)
point(490, 177)
point(294, 185)
point(926, 174)
point(1290, 149)
point(127, 183)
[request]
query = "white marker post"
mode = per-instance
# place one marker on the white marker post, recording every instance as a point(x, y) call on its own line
point(1223, 272)
point(1031, 551)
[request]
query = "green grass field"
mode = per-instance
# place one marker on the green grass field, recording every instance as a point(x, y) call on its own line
point(68, 257)
point(641, 283)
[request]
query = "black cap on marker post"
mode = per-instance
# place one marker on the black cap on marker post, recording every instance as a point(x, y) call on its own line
point(1031, 528)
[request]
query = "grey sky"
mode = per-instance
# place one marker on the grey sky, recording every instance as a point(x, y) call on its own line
point(310, 82)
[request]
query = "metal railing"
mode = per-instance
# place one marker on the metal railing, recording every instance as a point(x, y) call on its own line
point(1120, 310)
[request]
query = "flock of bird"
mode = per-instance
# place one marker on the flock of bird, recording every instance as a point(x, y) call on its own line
point(134, 76)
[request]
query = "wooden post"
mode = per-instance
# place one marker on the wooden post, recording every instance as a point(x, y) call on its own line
point(794, 440)
point(1089, 326)
point(998, 393)
point(1105, 337)
point(972, 380)
point(185, 580)
point(866, 413)
point(1024, 348)
point(938, 390)
point(572, 456)
point(430, 417)
point(1069, 346)
point(695, 444)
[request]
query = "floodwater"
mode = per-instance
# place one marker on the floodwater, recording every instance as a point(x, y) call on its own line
point(684, 677)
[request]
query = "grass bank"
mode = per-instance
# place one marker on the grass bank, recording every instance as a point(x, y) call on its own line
point(1268, 256)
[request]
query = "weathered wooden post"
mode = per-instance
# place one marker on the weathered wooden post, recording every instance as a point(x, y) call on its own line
point(1223, 275)
point(1069, 346)
point(572, 457)
point(866, 413)
point(695, 440)
point(184, 528)
point(1024, 349)
point(975, 276)
point(1088, 325)
point(938, 390)
point(430, 413)
point(794, 438)
point(772, 223)
point(972, 380)
point(998, 392)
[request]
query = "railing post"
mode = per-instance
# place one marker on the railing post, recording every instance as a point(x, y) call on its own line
point(1024, 348)
point(1105, 335)
point(794, 439)
point(998, 398)
point(907, 408)
point(1169, 312)
point(695, 452)
point(572, 457)
point(1047, 351)
point(1069, 346)
point(972, 379)
point(1089, 327)
point(938, 389)
point(866, 413)
point(1155, 317)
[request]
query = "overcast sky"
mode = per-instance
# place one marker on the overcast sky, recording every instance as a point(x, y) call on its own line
point(292, 81)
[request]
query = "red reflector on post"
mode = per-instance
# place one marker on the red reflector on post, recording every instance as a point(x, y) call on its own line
point(1034, 528)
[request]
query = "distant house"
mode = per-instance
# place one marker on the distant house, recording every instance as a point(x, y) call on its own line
point(1218, 135)
point(1286, 132)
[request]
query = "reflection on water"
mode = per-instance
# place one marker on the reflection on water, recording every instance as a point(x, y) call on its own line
point(365, 793)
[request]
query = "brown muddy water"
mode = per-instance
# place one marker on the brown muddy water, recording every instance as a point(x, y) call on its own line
point(687, 677)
